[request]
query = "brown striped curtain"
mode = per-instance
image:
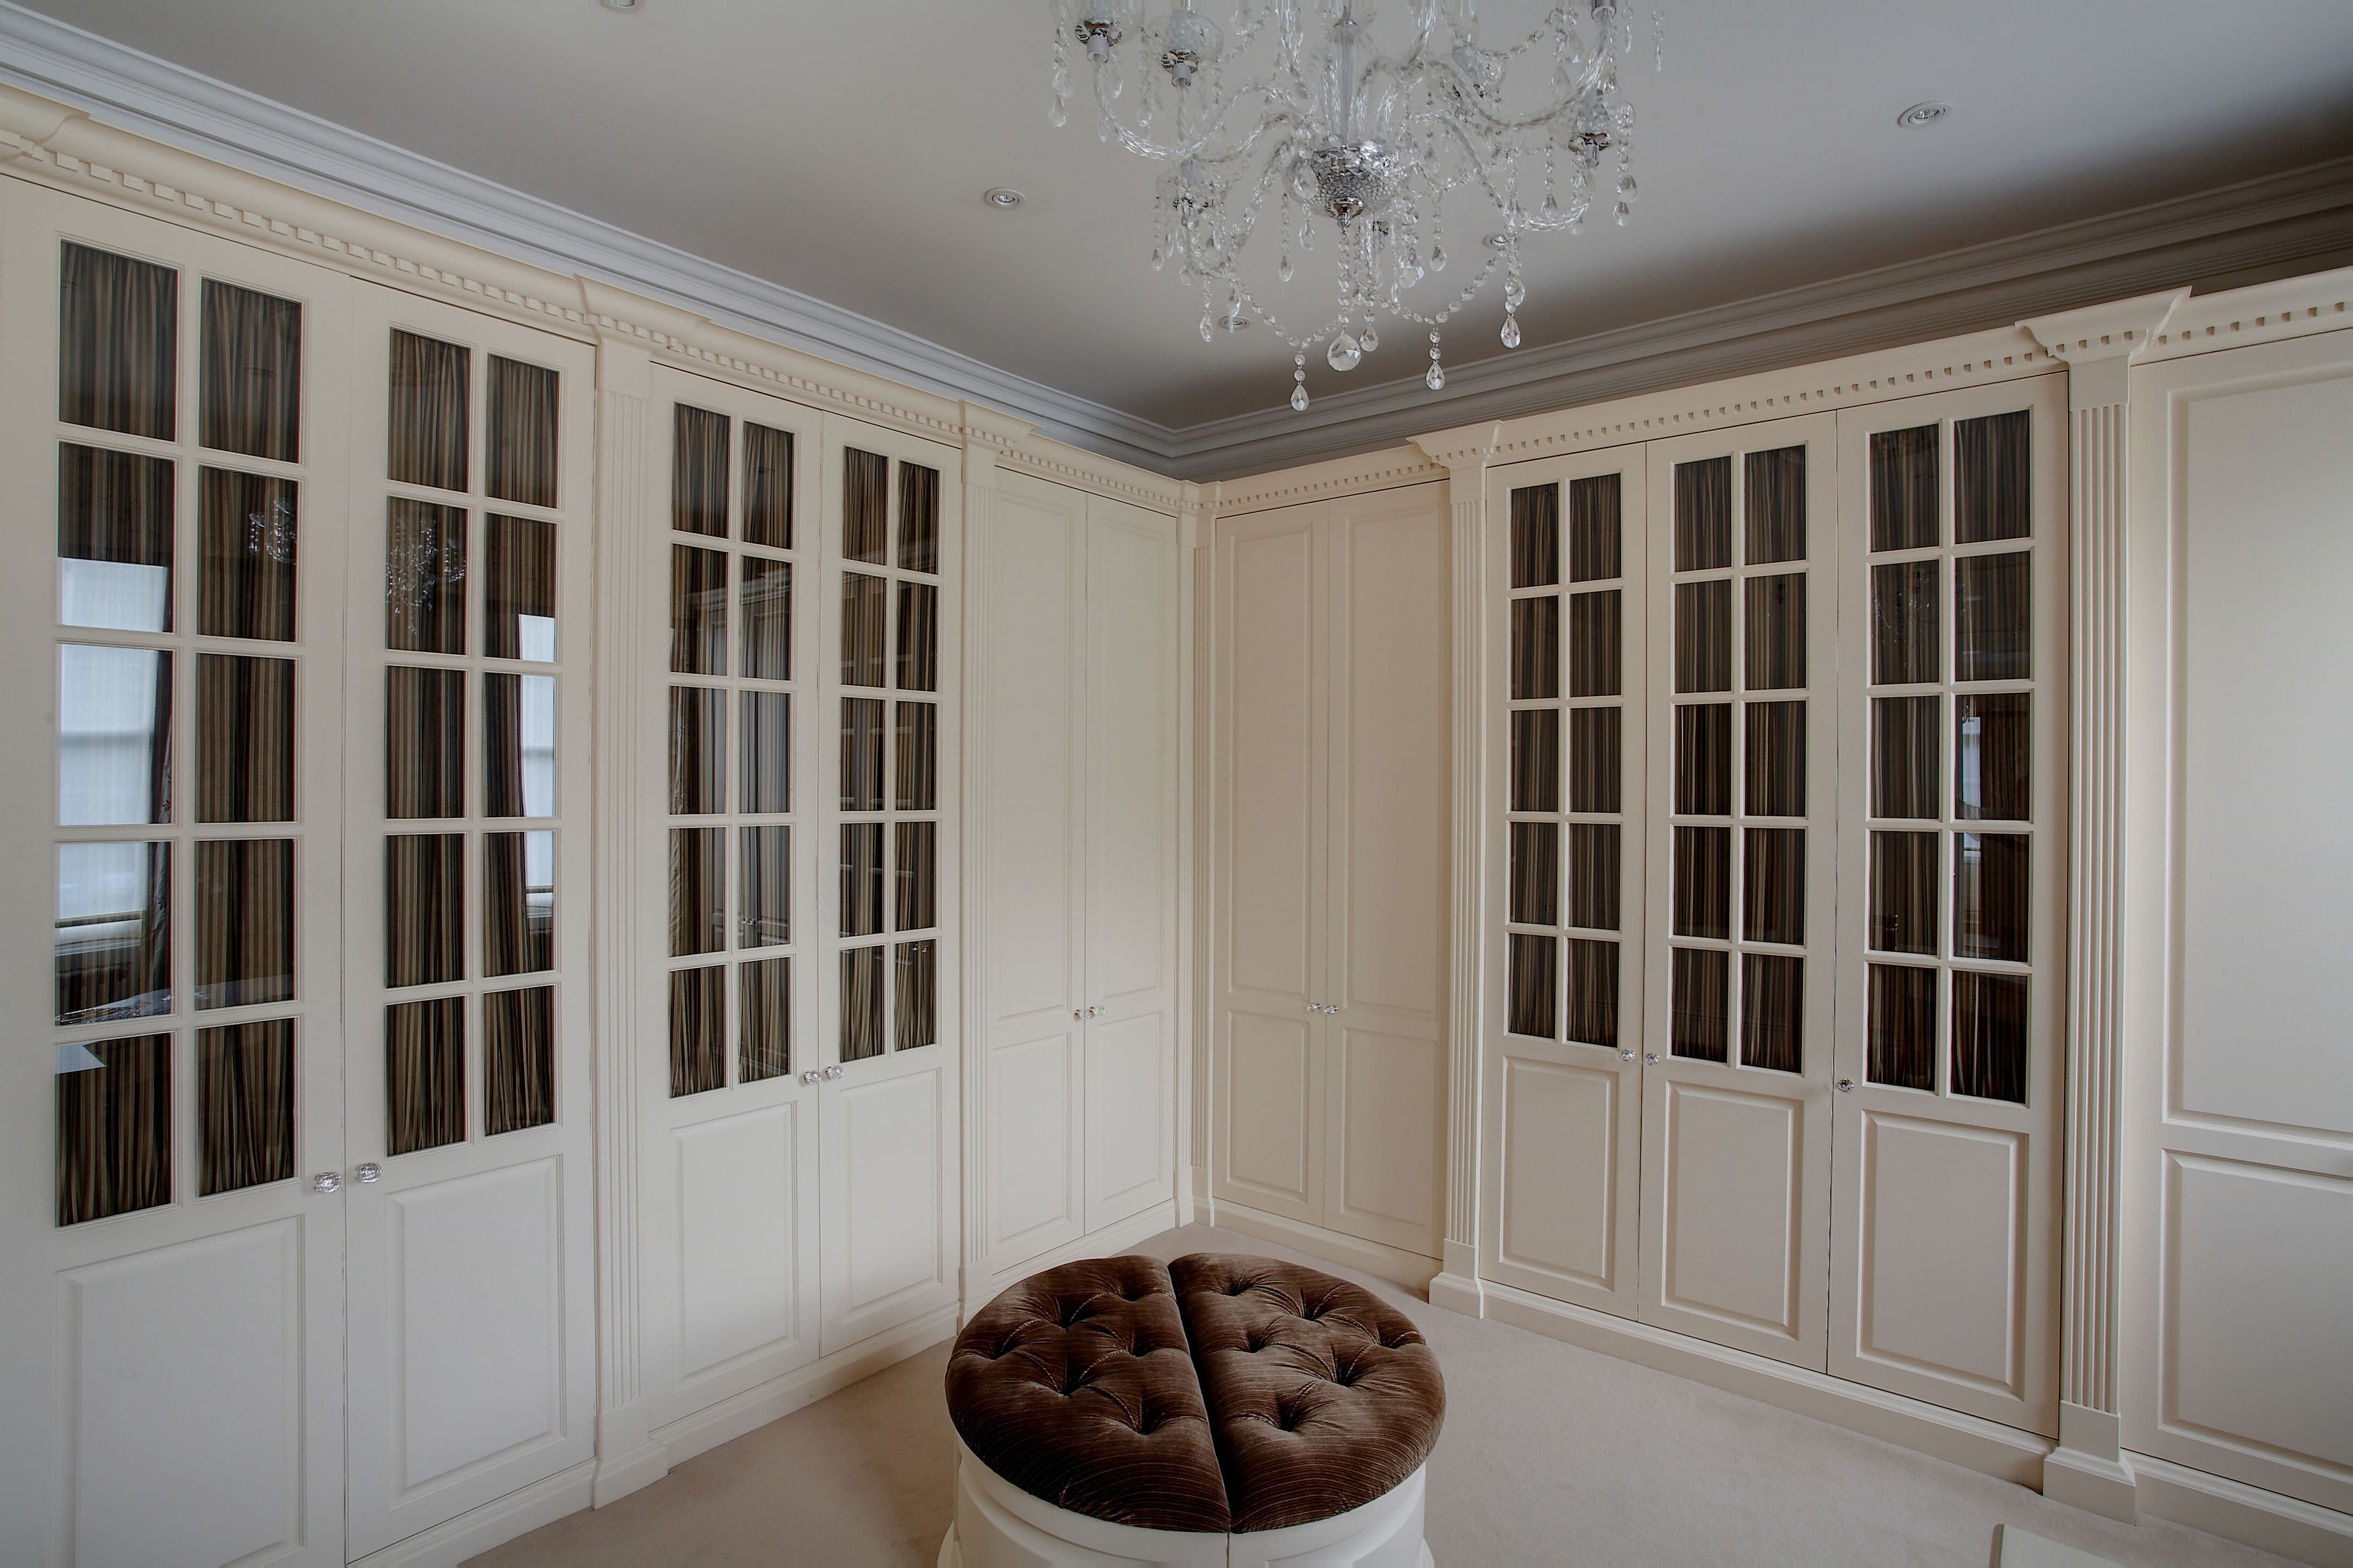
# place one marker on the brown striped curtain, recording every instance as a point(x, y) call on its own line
point(248, 533)
point(1775, 509)
point(862, 1003)
point(915, 1000)
point(865, 606)
point(1703, 637)
point(1772, 1011)
point(1904, 640)
point(915, 770)
point(698, 751)
point(425, 900)
point(425, 1074)
point(1592, 1017)
point(764, 916)
point(1775, 777)
point(767, 751)
point(861, 879)
point(919, 637)
point(698, 477)
point(697, 1030)
point(424, 577)
point(1594, 758)
point(1594, 545)
point(244, 1105)
point(245, 922)
point(1989, 1036)
point(865, 508)
point(1536, 536)
point(767, 618)
point(919, 518)
point(1704, 759)
point(1703, 514)
point(1536, 648)
point(522, 420)
point(1993, 605)
point(767, 487)
point(861, 753)
point(1993, 480)
point(1531, 982)
point(1903, 740)
point(1903, 490)
point(118, 342)
point(114, 1128)
point(1903, 887)
point(698, 611)
point(1701, 894)
point(519, 588)
point(1699, 1003)
point(698, 891)
point(766, 1000)
point(518, 917)
point(1776, 632)
point(245, 729)
point(1594, 644)
point(1901, 1009)
point(251, 392)
point(116, 508)
point(1593, 875)
point(518, 1060)
point(429, 383)
point(1535, 759)
point(424, 742)
point(1773, 886)
point(915, 905)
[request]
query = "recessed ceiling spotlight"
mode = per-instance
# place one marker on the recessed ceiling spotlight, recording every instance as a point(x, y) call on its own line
point(1495, 242)
point(621, 5)
point(1233, 324)
point(1002, 199)
point(1920, 114)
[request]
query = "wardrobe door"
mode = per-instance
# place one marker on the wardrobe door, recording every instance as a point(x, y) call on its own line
point(1952, 917)
point(1743, 748)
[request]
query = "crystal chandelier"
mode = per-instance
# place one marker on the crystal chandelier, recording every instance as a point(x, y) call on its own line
point(1290, 111)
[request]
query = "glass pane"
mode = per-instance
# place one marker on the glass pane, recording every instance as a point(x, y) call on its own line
point(767, 489)
point(1593, 644)
point(698, 480)
point(114, 734)
point(865, 605)
point(919, 519)
point(1777, 632)
point(915, 1003)
point(518, 745)
point(1904, 757)
point(1903, 1026)
point(861, 879)
point(1992, 757)
point(114, 1127)
point(1903, 490)
point(244, 1105)
point(424, 742)
point(1704, 759)
point(1703, 514)
point(118, 342)
point(424, 576)
point(1593, 875)
point(518, 903)
point(861, 753)
point(1532, 983)
point(764, 911)
point(1990, 892)
point(519, 599)
point(522, 442)
point(698, 751)
point(1703, 637)
point(245, 922)
point(1993, 611)
point(1535, 760)
point(245, 733)
point(919, 637)
point(114, 540)
point(114, 939)
point(518, 1060)
point(424, 908)
point(425, 1074)
point(1775, 505)
point(767, 618)
point(1904, 624)
point(1536, 648)
point(862, 1003)
point(1593, 531)
point(1773, 886)
point(765, 995)
point(1536, 536)
point(916, 769)
point(247, 539)
point(1772, 1011)
point(250, 398)
point(1993, 482)
point(1776, 778)
point(865, 508)
point(1904, 892)
point(1703, 889)
point(698, 611)
point(698, 891)
point(1536, 873)
point(1699, 1004)
point(426, 443)
point(1989, 1036)
point(915, 871)
point(698, 1031)
point(1593, 992)
point(767, 751)
point(1593, 758)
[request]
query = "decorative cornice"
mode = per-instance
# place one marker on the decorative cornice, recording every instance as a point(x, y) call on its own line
point(2266, 312)
point(1471, 446)
point(1083, 470)
point(2119, 329)
point(1342, 475)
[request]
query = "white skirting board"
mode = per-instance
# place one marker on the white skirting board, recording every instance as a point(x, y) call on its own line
point(1410, 1269)
point(2237, 1511)
point(494, 1523)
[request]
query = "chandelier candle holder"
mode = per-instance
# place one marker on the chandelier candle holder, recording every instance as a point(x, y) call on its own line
point(1289, 112)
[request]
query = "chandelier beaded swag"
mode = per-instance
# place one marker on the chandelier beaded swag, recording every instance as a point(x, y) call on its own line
point(1291, 105)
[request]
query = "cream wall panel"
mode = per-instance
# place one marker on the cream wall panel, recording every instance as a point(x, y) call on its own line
point(1033, 1109)
point(741, 1208)
point(1558, 1157)
point(1944, 1237)
point(1272, 1113)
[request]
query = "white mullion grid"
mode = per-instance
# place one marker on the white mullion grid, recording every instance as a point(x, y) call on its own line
point(1736, 752)
point(1558, 704)
point(1571, 588)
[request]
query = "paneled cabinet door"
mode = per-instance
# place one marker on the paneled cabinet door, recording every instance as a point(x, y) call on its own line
point(1562, 1077)
point(1952, 854)
point(172, 423)
point(1742, 672)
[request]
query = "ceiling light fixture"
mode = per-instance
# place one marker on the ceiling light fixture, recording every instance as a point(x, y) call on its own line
point(1289, 112)
point(1002, 198)
point(1921, 114)
point(621, 5)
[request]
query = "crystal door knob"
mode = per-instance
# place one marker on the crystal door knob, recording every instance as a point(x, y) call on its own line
point(1650, 1059)
point(1845, 1085)
point(369, 1174)
point(326, 1182)
point(1091, 1011)
point(809, 1075)
point(1315, 1006)
point(1078, 1012)
point(1625, 1056)
point(833, 1072)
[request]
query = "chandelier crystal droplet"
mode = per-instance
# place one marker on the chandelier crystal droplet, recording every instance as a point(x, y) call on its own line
point(1290, 103)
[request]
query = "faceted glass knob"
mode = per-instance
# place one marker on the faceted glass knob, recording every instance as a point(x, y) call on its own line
point(368, 1174)
point(327, 1182)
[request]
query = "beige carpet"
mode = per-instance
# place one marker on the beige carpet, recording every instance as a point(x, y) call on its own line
point(1551, 1455)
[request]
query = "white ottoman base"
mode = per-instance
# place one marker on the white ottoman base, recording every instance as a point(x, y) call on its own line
point(998, 1525)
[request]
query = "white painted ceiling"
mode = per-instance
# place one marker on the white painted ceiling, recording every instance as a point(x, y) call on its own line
point(839, 147)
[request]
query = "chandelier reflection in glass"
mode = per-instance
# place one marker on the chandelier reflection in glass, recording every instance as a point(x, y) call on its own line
point(1289, 112)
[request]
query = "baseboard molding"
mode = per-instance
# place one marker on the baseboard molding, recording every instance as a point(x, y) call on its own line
point(478, 1529)
point(2234, 1510)
point(1987, 1446)
point(1114, 1237)
point(1410, 1269)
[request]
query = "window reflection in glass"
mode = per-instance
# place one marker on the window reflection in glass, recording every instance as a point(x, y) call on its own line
point(114, 734)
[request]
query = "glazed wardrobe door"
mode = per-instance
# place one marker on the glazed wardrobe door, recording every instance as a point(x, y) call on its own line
point(172, 422)
point(472, 1310)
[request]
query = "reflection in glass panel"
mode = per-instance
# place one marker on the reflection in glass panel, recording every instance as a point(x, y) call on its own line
point(1593, 543)
point(1993, 618)
point(244, 1105)
point(1535, 759)
point(698, 751)
point(424, 908)
point(114, 734)
point(1776, 775)
point(518, 1060)
point(1703, 514)
point(919, 518)
point(915, 876)
point(1536, 536)
point(1990, 893)
point(1704, 759)
point(114, 540)
point(518, 745)
point(426, 444)
point(698, 475)
point(1699, 1004)
point(862, 1003)
point(1773, 886)
point(114, 939)
point(767, 487)
point(118, 342)
point(424, 1074)
point(915, 1003)
point(250, 395)
point(698, 611)
point(1536, 648)
point(763, 910)
point(919, 637)
point(245, 922)
point(1703, 885)
point(518, 903)
point(865, 606)
point(865, 506)
point(1993, 481)
point(698, 891)
point(765, 992)
point(1592, 992)
point(245, 733)
point(1536, 873)
point(916, 769)
point(1775, 629)
point(1904, 640)
point(1772, 1008)
point(1904, 892)
point(1903, 490)
point(424, 576)
point(1989, 1036)
point(1532, 983)
point(1593, 758)
point(767, 618)
point(1901, 1027)
point(1593, 644)
point(698, 1031)
point(861, 879)
point(1903, 737)
point(767, 751)
point(519, 594)
point(1992, 756)
point(861, 753)
point(1593, 875)
point(246, 538)
point(1775, 494)
point(114, 1127)
point(424, 742)
point(522, 438)
point(1703, 637)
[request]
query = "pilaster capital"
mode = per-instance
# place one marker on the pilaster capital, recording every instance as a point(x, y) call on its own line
point(1195, 507)
point(1463, 451)
point(987, 433)
point(2099, 343)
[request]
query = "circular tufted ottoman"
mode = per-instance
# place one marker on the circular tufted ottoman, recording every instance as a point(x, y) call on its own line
point(1218, 1409)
